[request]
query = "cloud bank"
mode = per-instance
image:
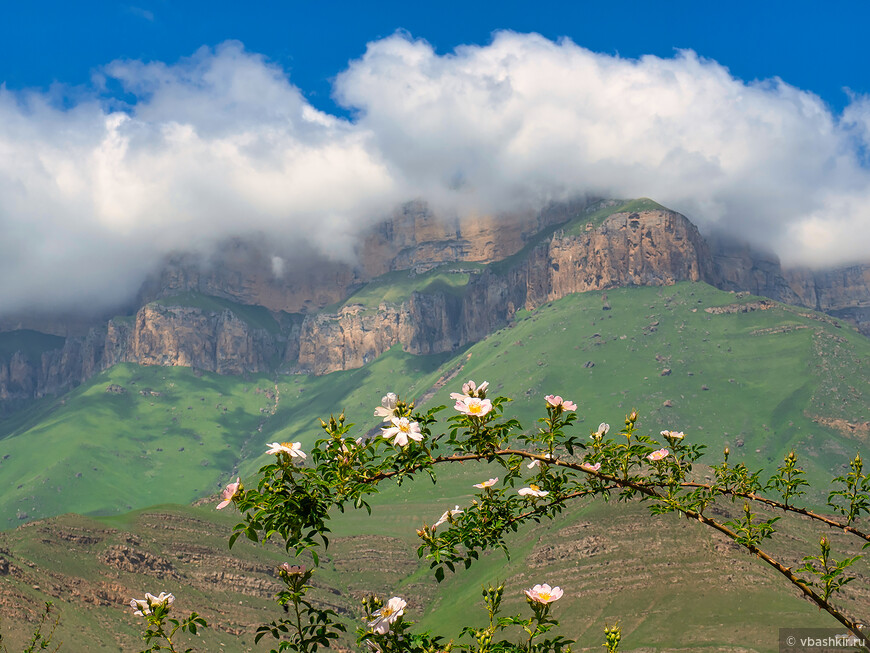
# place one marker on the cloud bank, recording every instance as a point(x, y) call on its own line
point(93, 193)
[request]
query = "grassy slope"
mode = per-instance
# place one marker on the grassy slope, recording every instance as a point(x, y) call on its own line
point(671, 584)
point(396, 287)
point(760, 385)
point(761, 388)
point(94, 451)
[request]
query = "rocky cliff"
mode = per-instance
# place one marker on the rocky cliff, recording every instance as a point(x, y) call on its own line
point(210, 340)
point(653, 247)
point(841, 292)
point(26, 376)
point(286, 277)
point(647, 248)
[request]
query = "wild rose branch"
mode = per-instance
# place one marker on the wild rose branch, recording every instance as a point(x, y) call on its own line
point(295, 494)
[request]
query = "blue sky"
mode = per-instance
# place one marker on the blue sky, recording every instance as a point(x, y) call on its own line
point(816, 46)
point(131, 130)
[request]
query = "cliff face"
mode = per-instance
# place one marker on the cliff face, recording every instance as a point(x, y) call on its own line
point(841, 292)
point(53, 371)
point(647, 248)
point(214, 341)
point(652, 248)
point(417, 239)
point(737, 266)
point(252, 272)
point(286, 278)
point(348, 339)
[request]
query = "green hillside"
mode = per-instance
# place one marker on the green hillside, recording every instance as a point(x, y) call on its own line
point(728, 370)
point(762, 382)
point(396, 287)
point(672, 584)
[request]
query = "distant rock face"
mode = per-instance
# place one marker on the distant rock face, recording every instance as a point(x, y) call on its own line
point(348, 339)
point(416, 239)
point(243, 271)
point(252, 271)
point(652, 248)
point(842, 292)
point(737, 266)
point(214, 341)
point(647, 248)
point(55, 371)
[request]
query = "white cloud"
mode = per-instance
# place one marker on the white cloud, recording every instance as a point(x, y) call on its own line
point(525, 117)
point(222, 143)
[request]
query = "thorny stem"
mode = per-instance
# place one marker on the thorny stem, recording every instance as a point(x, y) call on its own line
point(691, 514)
point(168, 638)
point(298, 618)
point(782, 569)
point(846, 528)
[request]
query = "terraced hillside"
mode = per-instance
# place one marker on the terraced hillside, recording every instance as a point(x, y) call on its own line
point(671, 584)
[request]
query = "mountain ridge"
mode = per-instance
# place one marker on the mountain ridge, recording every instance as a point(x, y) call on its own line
point(529, 260)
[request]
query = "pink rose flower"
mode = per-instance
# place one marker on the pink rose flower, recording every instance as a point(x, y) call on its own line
point(544, 593)
point(228, 493)
point(556, 402)
point(473, 406)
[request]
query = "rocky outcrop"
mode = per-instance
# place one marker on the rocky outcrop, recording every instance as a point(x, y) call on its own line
point(655, 247)
point(211, 340)
point(841, 292)
point(214, 341)
point(739, 267)
point(24, 376)
point(648, 248)
point(289, 278)
point(349, 339)
point(417, 239)
point(651, 248)
point(249, 271)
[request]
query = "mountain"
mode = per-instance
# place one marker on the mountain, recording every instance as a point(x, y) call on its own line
point(429, 284)
point(728, 368)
